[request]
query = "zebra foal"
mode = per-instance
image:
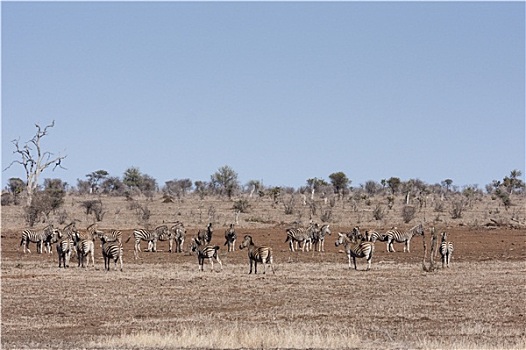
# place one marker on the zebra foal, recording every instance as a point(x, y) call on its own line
point(257, 255)
point(356, 249)
point(206, 252)
point(446, 250)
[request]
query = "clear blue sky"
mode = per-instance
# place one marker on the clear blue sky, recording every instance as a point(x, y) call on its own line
point(280, 92)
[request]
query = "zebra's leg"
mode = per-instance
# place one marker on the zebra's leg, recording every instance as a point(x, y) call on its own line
point(369, 258)
point(220, 263)
point(154, 245)
point(349, 258)
point(255, 266)
point(354, 261)
point(136, 249)
point(251, 262)
point(92, 257)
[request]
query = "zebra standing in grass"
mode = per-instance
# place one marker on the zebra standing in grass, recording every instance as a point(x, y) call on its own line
point(394, 235)
point(205, 252)
point(147, 235)
point(111, 249)
point(164, 236)
point(301, 235)
point(446, 250)
point(85, 247)
point(319, 237)
point(179, 233)
point(230, 238)
point(65, 247)
point(257, 255)
point(356, 248)
point(38, 237)
point(206, 235)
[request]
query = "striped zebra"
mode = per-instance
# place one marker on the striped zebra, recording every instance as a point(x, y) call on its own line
point(179, 233)
point(85, 247)
point(167, 235)
point(65, 247)
point(301, 235)
point(319, 237)
point(205, 251)
point(446, 250)
point(147, 235)
point(230, 238)
point(206, 234)
point(257, 255)
point(38, 237)
point(394, 235)
point(355, 248)
point(111, 249)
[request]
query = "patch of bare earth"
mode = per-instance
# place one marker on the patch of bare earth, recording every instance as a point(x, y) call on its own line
point(312, 301)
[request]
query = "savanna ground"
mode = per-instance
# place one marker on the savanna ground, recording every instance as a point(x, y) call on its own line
point(312, 301)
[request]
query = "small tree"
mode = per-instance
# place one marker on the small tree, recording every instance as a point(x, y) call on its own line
point(225, 180)
point(34, 159)
point(340, 182)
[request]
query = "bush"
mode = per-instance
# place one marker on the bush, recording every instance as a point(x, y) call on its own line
point(378, 212)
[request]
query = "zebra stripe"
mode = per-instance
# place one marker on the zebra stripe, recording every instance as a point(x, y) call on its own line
point(319, 237)
point(446, 250)
point(356, 249)
point(230, 238)
point(373, 236)
point(394, 235)
point(257, 255)
point(206, 252)
point(147, 235)
point(111, 250)
point(38, 237)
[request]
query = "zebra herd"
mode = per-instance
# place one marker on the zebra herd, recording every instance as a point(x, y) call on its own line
point(69, 241)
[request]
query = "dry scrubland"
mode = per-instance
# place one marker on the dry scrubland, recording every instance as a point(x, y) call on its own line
point(312, 301)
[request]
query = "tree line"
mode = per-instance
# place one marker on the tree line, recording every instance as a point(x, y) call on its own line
point(223, 183)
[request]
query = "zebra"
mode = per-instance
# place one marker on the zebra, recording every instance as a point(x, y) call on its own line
point(230, 238)
point(111, 249)
point(356, 249)
point(205, 252)
point(64, 249)
point(84, 247)
point(394, 235)
point(51, 239)
point(206, 235)
point(301, 235)
point(319, 237)
point(446, 250)
point(112, 235)
point(257, 255)
point(147, 235)
point(373, 236)
point(167, 235)
point(179, 233)
point(38, 237)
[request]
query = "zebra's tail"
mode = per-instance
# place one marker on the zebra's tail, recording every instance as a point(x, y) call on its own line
point(128, 238)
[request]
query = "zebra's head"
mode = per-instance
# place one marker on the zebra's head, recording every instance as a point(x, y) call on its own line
point(444, 236)
point(340, 240)
point(247, 241)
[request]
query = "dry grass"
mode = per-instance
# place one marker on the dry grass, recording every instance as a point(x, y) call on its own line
point(304, 305)
point(312, 302)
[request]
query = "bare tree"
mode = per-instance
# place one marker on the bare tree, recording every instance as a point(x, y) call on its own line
point(34, 159)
